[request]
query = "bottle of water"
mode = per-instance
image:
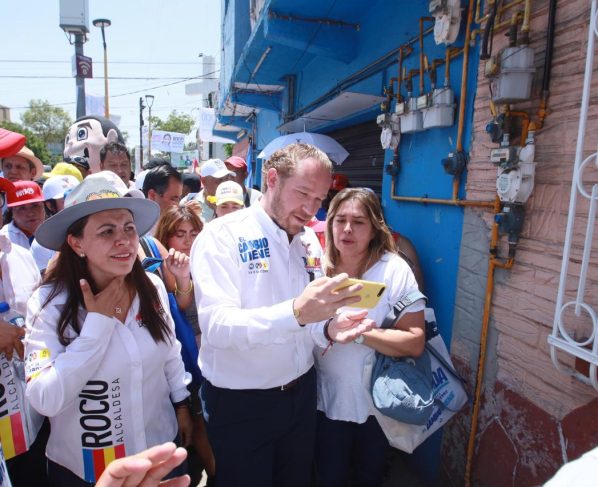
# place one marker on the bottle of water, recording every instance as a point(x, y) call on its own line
point(14, 318)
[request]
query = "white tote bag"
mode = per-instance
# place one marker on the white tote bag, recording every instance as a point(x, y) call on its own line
point(449, 393)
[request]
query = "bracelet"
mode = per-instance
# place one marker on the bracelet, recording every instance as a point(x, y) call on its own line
point(178, 292)
point(326, 335)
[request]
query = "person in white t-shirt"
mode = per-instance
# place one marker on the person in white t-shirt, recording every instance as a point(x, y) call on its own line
point(359, 243)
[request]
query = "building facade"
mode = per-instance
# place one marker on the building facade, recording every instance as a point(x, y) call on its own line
point(480, 130)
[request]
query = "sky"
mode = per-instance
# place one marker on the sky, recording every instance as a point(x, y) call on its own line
point(147, 39)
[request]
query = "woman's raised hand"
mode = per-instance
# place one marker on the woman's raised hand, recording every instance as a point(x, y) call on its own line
point(107, 301)
point(178, 264)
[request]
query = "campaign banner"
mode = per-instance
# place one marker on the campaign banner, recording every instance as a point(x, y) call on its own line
point(185, 159)
point(163, 141)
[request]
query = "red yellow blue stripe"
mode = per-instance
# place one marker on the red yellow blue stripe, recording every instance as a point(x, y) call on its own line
point(96, 461)
point(12, 436)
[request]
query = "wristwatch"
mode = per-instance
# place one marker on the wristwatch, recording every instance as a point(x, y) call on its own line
point(360, 339)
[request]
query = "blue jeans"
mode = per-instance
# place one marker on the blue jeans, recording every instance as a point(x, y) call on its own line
point(342, 446)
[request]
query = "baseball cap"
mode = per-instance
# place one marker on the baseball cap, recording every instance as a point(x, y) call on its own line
point(339, 182)
point(55, 186)
point(215, 168)
point(98, 192)
point(66, 169)
point(24, 193)
point(10, 142)
point(237, 162)
point(229, 191)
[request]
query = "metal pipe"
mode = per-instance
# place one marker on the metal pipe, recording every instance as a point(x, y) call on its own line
point(542, 110)
point(438, 201)
point(501, 10)
point(526, 20)
point(493, 263)
point(463, 94)
point(421, 51)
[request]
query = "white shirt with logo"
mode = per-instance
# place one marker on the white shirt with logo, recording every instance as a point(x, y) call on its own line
point(108, 393)
point(19, 422)
point(246, 275)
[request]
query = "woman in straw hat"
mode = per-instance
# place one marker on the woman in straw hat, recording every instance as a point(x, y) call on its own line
point(102, 361)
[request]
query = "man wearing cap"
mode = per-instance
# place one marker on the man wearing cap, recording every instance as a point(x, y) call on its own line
point(18, 278)
point(22, 166)
point(262, 305)
point(212, 173)
point(238, 165)
point(26, 202)
point(228, 198)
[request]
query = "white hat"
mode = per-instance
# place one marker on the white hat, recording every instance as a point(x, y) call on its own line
point(215, 168)
point(229, 191)
point(55, 186)
point(140, 178)
point(98, 192)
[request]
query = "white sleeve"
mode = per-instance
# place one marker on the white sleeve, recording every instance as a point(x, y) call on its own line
point(401, 282)
point(55, 373)
point(174, 368)
point(217, 280)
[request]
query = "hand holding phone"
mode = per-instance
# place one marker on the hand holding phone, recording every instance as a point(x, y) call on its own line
point(370, 293)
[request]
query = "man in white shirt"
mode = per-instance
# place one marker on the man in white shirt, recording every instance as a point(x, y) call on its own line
point(257, 285)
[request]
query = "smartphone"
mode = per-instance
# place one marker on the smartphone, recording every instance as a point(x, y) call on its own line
point(370, 293)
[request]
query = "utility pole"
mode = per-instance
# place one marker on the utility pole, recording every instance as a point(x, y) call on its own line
point(80, 80)
point(141, 107)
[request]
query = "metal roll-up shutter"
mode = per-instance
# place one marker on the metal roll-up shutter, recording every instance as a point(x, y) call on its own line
point(365, 163)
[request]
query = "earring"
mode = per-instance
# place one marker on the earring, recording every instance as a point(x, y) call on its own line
point(82, 255)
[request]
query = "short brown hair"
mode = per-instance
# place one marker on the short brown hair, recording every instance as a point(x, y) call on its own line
point(285, 160)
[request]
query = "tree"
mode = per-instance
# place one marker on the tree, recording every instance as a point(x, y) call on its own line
point(34, 143)
point(176, 122)
point(228, 149)
point(48, 122)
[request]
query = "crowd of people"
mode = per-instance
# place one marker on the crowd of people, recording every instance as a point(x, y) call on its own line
point(192, 310)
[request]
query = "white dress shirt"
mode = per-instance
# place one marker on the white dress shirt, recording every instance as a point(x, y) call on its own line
point(19, 422)
point(108, 392)
point(16, 235)
point(343, 390)
point(246, 275)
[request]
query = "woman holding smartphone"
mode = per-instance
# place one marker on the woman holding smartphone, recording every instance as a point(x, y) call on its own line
point(349, 437)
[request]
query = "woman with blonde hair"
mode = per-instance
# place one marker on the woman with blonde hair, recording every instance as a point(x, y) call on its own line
point(359, 243)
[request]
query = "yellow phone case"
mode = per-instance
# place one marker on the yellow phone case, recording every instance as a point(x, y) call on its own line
point(370, 293)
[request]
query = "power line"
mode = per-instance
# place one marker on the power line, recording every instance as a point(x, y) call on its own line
point(57, 61)
point(110, 77)
point(201, 76)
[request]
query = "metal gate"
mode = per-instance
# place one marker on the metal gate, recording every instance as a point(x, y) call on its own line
point(365, 163)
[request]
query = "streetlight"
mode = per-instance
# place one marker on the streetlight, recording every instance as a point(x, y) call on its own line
point(101, 23)
point(149, 99)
